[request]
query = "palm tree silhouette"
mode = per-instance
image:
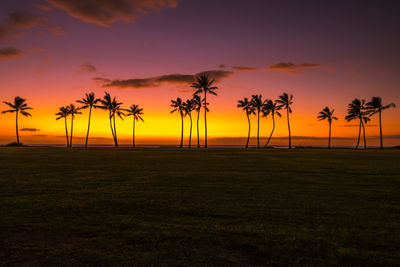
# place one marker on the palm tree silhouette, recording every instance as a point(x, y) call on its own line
point(197, 106)
point(179, 107)
point(257, 103)
point(204, 85)
point(63, 113)
point(375, 106)
point(356, 110)
point(189, 106)
point(19, 106)
point(72, 110)
point(271, 107)
point(285, 101)
point(247, 106)
point(90, 102)
point(114, 109)
point(327, 114)
point(136, 113)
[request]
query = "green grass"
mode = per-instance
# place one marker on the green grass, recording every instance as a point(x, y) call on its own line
point(216, 207)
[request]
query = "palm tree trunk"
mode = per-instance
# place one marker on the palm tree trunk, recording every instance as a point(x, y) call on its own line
point(329, 139)
point(72, 128)
point(258, 128)
point(190, 133)
point(133, 133)
point(273, 129)
point(288, 122)
point(380, 128)
point(16, 126)
point(365, 141)
point(87, 134)
point(115, 132)
point(248, 134)
point(205, 119)
point(112, 130)
point(359, 134)
point(66, 130)
point(181, 144)
point(198, 134)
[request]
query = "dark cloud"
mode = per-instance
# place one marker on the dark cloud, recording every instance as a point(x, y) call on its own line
point(25, 19)
point(357, 125)
point(87, 68)
point(10, 52)
point(106, 12)
point(29, 130)
point(291, 67)
point(243, 68)
point(160, 80)
point(222, 66)
point(40, 135)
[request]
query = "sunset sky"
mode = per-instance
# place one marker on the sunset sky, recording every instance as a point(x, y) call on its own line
point(325, 53)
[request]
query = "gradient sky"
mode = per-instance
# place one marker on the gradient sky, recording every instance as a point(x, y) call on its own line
point(325, 53)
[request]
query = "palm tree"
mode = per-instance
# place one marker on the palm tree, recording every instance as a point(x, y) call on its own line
point(19, 106)
point(285, 101)
point(271, 107)
point(247, 106)
point(90, 102)
point(114, 108)
point(136, 113)
point(356, 110)
point(327, 114)
point(376, 106)
point(189, 106)
point(63, 113)
point(257, 103)
point(179, 107)
point(72, 110)
point(204, 85)
point(197, 106)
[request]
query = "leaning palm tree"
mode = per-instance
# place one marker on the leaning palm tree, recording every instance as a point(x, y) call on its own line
point(246, 105)
point(271, 107)
point(63, 113)
point(189, 106)
point(356, 111)
point(114, 108)
point(257, 103)
point(180, 108)
point(327, 114)
point(285, 101)
point(19, 106)
point(375, 106)
point(204, 85)
point(136, 113)
point(90, 102)
point(197, 106)
point(72, 110)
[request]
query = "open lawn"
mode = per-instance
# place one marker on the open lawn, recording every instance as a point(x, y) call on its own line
point(168, 206)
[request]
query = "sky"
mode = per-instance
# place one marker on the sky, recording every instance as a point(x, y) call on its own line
point(146, 52)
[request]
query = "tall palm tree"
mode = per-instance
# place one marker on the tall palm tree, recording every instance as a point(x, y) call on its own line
point(375, 106)
point(327, 114)
point(204, 85)
point(136, 113)
point(247, 106)
point(356, 111)
point(285, 101)
point(63, 113)
point(180, 108)
point(72, 110)
point(19, 106)
point(197, 106)
point(189, 107)
point(114, 109)
point(271, 107)
point(257, 103)
point(90, 102)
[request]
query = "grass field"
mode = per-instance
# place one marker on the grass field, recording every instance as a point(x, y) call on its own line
point(216, 207)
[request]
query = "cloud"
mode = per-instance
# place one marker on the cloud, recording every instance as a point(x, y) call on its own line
point(42, 7)
point(10, 52)
point(106, 12)
point(25, 19)
point(222, 66)
point(40, 135)
point(291, 67)
point(177, 79)
point(357, 125)
point(57, 30)
point(29, 130)
point(87, 68)
point(243, 68)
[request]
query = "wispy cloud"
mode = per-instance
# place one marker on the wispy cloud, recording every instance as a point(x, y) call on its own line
point(29, 130)
point(244, 68)
point(292, 68)
point(57, 30)
point(10, 52)
point(87, 68)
